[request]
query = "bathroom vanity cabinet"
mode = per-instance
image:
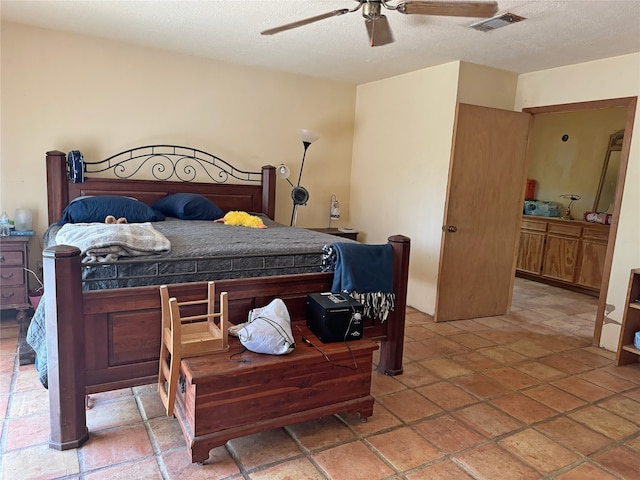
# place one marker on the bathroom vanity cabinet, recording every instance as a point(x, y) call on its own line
point(562, 252)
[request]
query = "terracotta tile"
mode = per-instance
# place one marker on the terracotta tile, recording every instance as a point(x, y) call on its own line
point(446, 395)
point(27, 431)
point(404, 448)
point(4, 402)
point(263, 448)
point(8, 345)
point(539, 370)
point(353, 461)
point(539, 451)
point(446, 368)
point(471, 340)
point(491, 462)
point(220, 465)
point(621, 460)
point(440, 346)
point(633, 394)
point(605, 422)
point(573, 435)
point(493, 322)
point(487, 420)
point(382, 384)
point(529, 349)
point(585, 471)
point(321, 433)
point(300, 468)
point(443, 328)
point(512, 378)
point(29, 402)
point(502, 354)
point(415, 375)
point(554, 397)
point(481, 386)
point(582, 389)
point(471, 325)
point(152, 406)
point(446, 470)
point(608, 381)
point(623, 406)
point(110, 447)
point(523, 408)
point(39, 463)
point(112, 414)
point(5, 381)
point(588, 358)
point(475, 361)
point(634, 444)
point(448, 433)
point(409, 405)
point(629, 372)
point(417, 332)
point(565, 364)
point(165, 433)
point(27, 379)
point(147, 469)
point(382, 419)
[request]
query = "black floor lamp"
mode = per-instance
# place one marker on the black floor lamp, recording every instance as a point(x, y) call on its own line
point(299, 194)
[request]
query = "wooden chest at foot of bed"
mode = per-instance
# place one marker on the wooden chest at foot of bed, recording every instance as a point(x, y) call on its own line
point(224, 396)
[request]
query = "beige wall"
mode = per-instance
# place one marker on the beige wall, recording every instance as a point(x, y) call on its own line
point(402, 147)
point(610, 78)
point(574, 166)
point(64, 91)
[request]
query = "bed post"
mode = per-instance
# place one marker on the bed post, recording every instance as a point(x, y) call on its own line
point(269, 191)
point(391, 349)
point(57, 184)
point(65, 347)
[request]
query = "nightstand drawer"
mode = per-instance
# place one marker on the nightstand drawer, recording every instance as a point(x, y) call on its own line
point(13, 295)
point(11, 276)
point(11, 257)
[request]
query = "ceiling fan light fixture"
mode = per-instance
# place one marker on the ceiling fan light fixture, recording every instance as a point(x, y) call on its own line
point(496, 22)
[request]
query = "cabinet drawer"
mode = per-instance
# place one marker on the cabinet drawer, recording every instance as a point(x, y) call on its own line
point(534, 225)
point(11, 276)
point(596, 233)
point(13, 294)
point(561, 229)
point(11, 257)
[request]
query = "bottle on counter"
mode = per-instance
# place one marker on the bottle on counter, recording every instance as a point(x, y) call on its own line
point(5, 229)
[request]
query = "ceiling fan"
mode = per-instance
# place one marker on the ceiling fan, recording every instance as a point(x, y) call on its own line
point(377, 25)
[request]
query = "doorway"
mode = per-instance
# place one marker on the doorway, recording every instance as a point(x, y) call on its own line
point(630, 104)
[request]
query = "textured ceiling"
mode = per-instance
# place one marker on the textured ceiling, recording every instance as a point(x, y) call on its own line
point(555, 33)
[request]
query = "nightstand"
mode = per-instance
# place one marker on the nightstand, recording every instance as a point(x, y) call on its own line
point(14, 290)
point(353, 235)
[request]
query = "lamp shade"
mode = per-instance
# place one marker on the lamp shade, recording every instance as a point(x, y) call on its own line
point(283, 171)
point(307, 136)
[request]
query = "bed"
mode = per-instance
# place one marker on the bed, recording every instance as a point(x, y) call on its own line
point(103, 324)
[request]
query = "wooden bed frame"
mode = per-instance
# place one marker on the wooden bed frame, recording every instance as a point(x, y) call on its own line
point(110, 339)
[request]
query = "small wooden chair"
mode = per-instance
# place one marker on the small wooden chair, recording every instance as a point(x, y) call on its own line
point(191, 336)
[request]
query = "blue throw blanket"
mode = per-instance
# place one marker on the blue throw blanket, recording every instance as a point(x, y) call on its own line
point(366, 273)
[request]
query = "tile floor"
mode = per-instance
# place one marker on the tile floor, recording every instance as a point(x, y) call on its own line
point(521, 396)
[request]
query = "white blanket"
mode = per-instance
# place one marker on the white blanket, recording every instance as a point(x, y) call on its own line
point(101, 242)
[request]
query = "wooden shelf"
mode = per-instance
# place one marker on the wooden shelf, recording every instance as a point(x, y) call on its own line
point(631, 348)
point(627, 352)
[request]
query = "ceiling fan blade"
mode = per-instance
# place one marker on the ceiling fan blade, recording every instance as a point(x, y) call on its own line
point(379, 31)
point(449, 9)
point(305, 21)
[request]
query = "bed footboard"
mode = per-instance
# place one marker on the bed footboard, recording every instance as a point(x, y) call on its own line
point(109, 339)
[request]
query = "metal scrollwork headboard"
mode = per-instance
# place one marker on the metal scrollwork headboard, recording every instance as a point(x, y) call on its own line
point(170, 162)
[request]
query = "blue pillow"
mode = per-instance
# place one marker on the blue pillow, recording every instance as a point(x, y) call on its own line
point(188, 206)
point(96, 208)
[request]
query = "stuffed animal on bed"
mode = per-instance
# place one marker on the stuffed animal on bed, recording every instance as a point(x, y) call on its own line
point(243, 219)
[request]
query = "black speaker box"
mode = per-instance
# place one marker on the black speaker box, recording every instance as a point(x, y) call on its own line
point(334, 317)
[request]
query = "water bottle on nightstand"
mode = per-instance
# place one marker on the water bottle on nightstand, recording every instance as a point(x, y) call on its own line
point(5, 230)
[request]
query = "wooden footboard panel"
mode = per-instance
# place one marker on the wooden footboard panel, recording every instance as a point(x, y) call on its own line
point(104, 340)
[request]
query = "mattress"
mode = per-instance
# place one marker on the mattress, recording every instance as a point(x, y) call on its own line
point(204, 250)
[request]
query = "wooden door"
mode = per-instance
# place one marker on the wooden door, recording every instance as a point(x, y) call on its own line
point(483, 212)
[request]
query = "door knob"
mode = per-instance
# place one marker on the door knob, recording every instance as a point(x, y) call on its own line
point(452, 229)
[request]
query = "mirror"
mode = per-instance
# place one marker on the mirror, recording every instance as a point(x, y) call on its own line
point(609, 177)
